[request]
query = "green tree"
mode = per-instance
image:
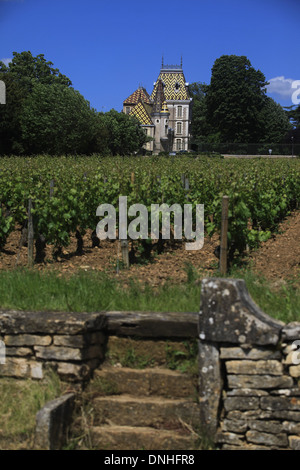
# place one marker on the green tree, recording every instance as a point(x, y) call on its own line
point(235, 98)
point(10, 129)
point(199, 126)
point(20, 77)
point(119, 134)
point(274, 122)
point(293, 114)
point(102, 135)
point(27, 69)
point(56, 119)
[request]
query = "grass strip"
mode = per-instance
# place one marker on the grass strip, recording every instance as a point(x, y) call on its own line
point(25, 289)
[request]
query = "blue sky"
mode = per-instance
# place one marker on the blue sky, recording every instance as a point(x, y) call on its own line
point(109, 48)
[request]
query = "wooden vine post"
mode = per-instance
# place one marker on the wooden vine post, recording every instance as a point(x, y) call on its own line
point(124, 242)
point(125, 252)
point(224, 234)
point(30, 234)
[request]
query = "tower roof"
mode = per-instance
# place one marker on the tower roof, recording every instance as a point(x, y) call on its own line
point(164, 108)
point(141, 112)
point(140, 94)
point(158, 96)
point(175, 87)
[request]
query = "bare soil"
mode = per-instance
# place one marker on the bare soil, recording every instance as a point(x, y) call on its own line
point(278, 259)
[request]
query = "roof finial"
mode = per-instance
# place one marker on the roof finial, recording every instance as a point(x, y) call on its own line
point(181, 61)
point(162, 62)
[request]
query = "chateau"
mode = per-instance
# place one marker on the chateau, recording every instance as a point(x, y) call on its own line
point(165, 115)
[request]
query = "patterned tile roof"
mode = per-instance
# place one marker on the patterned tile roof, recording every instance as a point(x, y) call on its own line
point(139, 95)
point(174, 85)
point(158, 97)
point(142, 112)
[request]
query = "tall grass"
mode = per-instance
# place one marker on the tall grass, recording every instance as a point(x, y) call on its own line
point(32, 290)
point(281, 301)
point(20, 401)
point(89, 291)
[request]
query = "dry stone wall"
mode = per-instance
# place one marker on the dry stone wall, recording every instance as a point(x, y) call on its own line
point(71, 343)
point(74, 344)
point(249, 364)
point(249, 371)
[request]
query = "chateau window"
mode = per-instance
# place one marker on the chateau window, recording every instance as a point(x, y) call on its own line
point(179, 111)
point(178, 144)
point(179, 128)
point(127, 109)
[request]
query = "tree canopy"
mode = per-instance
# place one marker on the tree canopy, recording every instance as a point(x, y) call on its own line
point(234, 99)
point(26, 70)
point(57, 120)
point(293, 113)
point(21, 76)
point(234, 107)
point(122, 134)
point(199, 124)
point(275, 122)
point(44, 114)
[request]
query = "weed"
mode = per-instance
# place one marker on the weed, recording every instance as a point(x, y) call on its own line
point(20, 401)
point(191, 273)
point(130, 358)
point(101, 386)
point(185, 360)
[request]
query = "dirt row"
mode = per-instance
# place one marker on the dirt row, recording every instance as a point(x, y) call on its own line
point(278, 259)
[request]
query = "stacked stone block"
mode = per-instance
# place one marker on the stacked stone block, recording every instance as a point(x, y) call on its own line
point(249, 364)
point(261, 400)
point(70, 343)
point(255, 402)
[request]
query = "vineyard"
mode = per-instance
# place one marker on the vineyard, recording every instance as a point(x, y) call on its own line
point(55, 199)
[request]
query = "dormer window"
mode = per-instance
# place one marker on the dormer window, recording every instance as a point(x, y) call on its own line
point(177, 86)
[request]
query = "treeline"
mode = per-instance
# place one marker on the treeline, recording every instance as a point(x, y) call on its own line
point(234, 108)
point(45, 114)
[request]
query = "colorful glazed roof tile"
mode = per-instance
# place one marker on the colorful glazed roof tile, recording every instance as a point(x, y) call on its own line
point(158, 97)
point(142, 112)
point(164, 108)
point(174, 84)
point(139, 95)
